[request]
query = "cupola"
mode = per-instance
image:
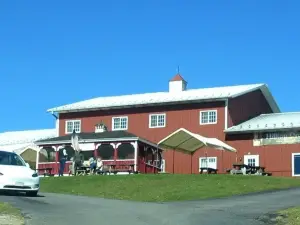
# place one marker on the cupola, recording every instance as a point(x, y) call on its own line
point(177, 84)
point(100, 127)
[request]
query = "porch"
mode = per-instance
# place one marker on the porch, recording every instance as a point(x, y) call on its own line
point(120, 149)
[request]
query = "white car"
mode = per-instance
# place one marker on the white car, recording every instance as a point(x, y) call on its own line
point(16, 175)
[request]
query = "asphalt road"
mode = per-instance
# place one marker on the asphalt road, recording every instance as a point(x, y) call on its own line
point(54, 209)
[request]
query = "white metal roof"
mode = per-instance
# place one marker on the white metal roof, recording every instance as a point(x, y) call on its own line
point(186, 141)
point(273, 121)
point(138, 100)
point(19, 148)
point(23, 137)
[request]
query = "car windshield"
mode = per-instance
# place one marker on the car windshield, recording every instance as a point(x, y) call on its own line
point(11, 159)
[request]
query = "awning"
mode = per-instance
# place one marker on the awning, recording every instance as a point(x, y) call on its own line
point(188, 142)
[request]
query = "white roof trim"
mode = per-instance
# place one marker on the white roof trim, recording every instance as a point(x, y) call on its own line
point(186, 141)
point(163, 98)
point(268, 122)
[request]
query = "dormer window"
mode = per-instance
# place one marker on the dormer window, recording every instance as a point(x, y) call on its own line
point(100, 127)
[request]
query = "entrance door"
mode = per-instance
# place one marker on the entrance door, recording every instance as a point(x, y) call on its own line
point(296, 164)
point(251, 160)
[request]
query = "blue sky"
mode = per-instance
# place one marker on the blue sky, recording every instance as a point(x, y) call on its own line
point(59, 52)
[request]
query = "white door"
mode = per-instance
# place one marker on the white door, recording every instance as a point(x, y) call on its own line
point(251, 160)
point(208, 162)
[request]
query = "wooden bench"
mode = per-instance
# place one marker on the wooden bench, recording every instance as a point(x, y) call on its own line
point(127, 168)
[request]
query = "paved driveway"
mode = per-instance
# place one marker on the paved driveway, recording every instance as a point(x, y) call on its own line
point(54, 209)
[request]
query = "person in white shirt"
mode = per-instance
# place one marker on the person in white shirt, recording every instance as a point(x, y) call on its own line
point(93, 165)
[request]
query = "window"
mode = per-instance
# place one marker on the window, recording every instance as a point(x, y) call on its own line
point(125, 151)
point(208, 117)
point(11, 159)
point(295, 164)
point(47, 154)
point(106, 152)
point(208, 162)
point(73, 125)
point(280, 135)
point(120, 123)
point(251, 160)
point(157, 120)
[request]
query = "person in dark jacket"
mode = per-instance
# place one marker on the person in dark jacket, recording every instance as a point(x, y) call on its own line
point(62, 162)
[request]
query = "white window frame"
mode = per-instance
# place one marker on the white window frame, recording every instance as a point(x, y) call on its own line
point(207, 158)
point(163, 166)
point(256, 157)
point(72, 121)
point(293, 170)
point(119, 117)
point(157, 114)
point(207, 111)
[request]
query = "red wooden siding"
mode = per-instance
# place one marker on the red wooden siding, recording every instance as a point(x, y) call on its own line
point(177, 116)
point(246, 107)
point(276, 158)
point(138, 120)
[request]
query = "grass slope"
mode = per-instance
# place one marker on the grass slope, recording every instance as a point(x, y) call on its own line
point(10, 215)
point(289, 217)
point(164, 187)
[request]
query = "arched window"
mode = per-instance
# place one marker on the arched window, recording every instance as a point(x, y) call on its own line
point(125, 151)
point(70, 152)
point(106, 152)
point(47, 154)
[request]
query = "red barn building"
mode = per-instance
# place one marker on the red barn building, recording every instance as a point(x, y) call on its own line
point(245, 116)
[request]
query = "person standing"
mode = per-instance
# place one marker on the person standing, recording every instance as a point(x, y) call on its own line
point(62, 162)
point(77, 161)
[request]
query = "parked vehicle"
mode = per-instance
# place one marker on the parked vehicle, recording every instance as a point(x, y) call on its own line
point(16, 174)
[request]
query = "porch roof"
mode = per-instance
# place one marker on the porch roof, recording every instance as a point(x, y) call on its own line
point(89, 137)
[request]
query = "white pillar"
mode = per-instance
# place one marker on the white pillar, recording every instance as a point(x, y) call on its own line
point(135, 146)
point(38, 157)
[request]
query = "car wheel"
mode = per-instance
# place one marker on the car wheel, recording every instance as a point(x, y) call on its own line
point(31, 193)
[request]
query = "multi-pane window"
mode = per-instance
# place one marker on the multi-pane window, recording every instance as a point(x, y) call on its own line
point(208, 117)
point(73, 125)
point(120, 123)
point(251, 160)
point(157, 120)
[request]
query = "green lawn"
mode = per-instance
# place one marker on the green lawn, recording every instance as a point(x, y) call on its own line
point(164, 187)
point(10, 215)
point(289, 217)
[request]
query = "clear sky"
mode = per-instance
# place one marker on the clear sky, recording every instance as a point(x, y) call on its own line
point(58, 52)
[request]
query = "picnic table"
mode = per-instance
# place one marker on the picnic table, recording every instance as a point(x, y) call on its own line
point(239, 167)
point(209, 170)
point(83, 170)
point(47, 171)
